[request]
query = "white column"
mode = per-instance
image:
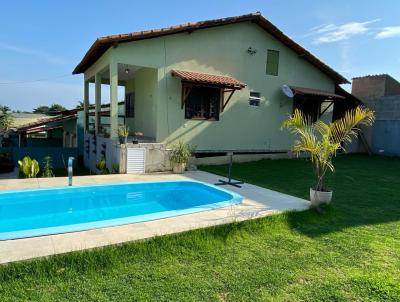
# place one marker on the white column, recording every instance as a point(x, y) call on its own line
point(97, 92)
point(86, 105)
point(114, 100)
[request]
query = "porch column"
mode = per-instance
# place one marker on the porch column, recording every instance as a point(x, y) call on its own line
point(114, 100)
point(97, 93)
point(86, 105)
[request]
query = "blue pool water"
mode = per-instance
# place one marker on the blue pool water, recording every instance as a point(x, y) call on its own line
point(58, 210)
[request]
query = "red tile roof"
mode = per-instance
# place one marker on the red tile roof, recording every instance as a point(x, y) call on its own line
point(315, 92)
point(205, 78)
point(101, 45)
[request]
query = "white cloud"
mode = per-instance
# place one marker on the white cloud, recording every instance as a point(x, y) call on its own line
point(328, 33)
point(388, 32)
point(35, 53)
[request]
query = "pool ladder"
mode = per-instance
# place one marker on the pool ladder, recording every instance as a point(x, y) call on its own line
point(70, 168)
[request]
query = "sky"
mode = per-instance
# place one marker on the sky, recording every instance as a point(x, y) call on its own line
point(42, 41)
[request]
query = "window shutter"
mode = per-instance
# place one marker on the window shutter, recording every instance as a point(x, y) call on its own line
point(272, 62)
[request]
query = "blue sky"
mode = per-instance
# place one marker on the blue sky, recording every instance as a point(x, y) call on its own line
point(44, 40)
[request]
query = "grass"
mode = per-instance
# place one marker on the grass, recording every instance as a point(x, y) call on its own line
point(349, 253)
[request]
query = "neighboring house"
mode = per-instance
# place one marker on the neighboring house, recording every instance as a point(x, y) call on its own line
point(51, 131)
point(381, 93)
point(54, 136)
point(21, 118)
point(215, 84)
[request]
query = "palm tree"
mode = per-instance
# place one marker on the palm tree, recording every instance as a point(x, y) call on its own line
point(321, 141)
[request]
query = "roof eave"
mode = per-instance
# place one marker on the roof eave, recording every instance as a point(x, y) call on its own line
point(108, 41)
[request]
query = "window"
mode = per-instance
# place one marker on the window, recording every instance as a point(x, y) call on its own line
point(255, 98)
point(130, 105)
point(310, 108)
point(203, 103)
point(272, 62)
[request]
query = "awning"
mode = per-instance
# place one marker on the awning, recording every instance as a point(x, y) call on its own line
point(315, 93)
point(205, 78)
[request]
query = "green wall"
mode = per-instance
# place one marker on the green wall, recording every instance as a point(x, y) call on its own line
point(220, 50)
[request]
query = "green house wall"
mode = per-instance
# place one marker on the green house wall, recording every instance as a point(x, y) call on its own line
point(219, 50)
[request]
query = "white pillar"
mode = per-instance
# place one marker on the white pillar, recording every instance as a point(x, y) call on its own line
point(114, 100)
point(97, 92)
point(86, 105)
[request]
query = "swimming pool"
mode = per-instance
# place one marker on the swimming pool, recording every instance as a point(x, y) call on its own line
point(28, 213)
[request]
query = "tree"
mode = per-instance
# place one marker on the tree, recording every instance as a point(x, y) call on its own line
point(6, 121)
point(4, 109)
point(56, 108)
point(321, 141)
point(80, 105)
point(41, 109)
point(53, 109)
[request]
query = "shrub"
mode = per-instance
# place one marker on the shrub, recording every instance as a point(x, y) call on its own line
point(47, 167)
point(115, 169)
point(180, 153)
point(28, 168)
point(101, 165)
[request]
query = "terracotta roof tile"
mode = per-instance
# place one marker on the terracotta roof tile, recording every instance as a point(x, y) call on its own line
point(208, 79)
point(101, 45)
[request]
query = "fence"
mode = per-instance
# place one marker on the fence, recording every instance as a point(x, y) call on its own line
point(59, 155)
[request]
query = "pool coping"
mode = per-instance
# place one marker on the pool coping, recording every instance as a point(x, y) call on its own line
point(257, 202)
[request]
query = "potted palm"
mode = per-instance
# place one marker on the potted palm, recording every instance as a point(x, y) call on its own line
point(179, 156)
point(123, 132)
point(321, 142)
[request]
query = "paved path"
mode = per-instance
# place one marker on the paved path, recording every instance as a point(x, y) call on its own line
point(257, 202)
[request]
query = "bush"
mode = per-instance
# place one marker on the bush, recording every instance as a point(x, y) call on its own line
point(28, 168)
point(101, 165)
point(180, 153)
point(47, 167)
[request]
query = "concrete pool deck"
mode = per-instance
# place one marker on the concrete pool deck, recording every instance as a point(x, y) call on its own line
point(258, 202)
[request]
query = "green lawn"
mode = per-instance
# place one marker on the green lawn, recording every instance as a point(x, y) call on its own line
point(349, 253)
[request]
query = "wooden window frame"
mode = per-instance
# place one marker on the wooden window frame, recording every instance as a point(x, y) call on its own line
point(187, 89)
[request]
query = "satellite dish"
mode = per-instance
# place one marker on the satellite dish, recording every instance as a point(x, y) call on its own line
point(287, 91)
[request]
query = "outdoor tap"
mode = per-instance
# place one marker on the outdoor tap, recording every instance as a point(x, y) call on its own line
point(70, 170)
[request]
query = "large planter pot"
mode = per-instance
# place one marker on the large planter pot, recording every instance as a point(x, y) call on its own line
point(178, 168)
point(318, 198)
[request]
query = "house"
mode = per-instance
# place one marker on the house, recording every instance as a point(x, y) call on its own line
point(39, 136)
point(220, 85)
point(381, 93)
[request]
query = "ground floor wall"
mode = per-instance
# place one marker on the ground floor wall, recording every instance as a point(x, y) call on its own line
point(238, 158)
point(97, 148)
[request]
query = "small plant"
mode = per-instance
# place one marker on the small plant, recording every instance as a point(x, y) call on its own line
point(115, 169)
point(180, 153)
point(47, 167)
point(179, 156)
point(123, 132)
point(101, 165)
point(321, 141)
point(28, 168)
